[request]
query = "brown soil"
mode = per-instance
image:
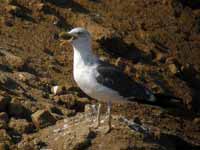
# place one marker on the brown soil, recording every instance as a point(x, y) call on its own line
point(155, 42)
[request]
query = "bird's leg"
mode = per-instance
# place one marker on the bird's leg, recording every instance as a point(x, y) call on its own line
point(109, 117)
point(98, 116)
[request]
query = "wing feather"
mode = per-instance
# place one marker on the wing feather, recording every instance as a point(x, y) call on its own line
point(113, 78)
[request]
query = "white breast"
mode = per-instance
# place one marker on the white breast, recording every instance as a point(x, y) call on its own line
point(86, 80)
point(84, 71)
point(84, 77)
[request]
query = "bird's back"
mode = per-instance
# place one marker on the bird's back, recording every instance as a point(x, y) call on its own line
point(115, 79)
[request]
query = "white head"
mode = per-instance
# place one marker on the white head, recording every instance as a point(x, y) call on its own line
point(81, 41)
point(77, 37)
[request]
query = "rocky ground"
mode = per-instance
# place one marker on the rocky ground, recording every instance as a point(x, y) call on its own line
point(155, 42)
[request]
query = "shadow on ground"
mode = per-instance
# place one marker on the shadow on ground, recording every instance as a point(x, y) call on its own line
point(76, 7)
point(192, 77)
point(169, 141)
point(116, 47)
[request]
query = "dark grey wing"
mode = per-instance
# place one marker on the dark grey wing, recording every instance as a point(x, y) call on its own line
point(111, 77)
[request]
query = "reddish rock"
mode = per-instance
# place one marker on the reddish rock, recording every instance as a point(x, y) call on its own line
point(4, 137)
point(24, 76)
point(4, 146)
point(196, 121)
point(21, 125)
point(12, 60)
point(43, 118)
point(7, 1)
point(72, 102)
point(58, 90)
point(40, 6)
point(173, 68)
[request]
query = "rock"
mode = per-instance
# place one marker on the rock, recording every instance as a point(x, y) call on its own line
point(173, 68)
point(58, 100)
point(81, 140)
point(12, 60)
point(4, 137)
point(58, 90)
point(3, 78)
point(159, 57)
point(8, 84)
point(3, 125)
point(83, 100)
point(57, 117)
point(68, 100)
point(31, 106)
point(43, 118)
point(4, 116)
point(24, 76)
point(72, 102)
point(16, 109)
point(58, 2)
point(196, 121)
point(15, 11)
point(88, 109)
point(4, 102)
point(40, 6)
point(8, 1)
point(21, 125)
point(82, 144)
point(8, 21)
point(31, 143)
point(69, 112)
point(120, 63)
point(80, 104)
point(4, 146)
point(54, 109)
point(3, 120)
point(56, 112)
point(103, 58)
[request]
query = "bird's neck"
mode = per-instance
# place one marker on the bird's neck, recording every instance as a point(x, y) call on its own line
point(83, 55)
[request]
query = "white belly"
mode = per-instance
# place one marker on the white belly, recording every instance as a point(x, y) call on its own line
point(85, 78)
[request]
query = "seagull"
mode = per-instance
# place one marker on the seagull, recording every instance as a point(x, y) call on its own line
point(101, 80)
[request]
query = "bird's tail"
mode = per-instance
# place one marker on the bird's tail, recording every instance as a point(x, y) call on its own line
point(145, 96)
point(166, 101)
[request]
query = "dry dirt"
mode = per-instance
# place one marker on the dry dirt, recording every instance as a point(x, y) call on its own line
point(155, 42)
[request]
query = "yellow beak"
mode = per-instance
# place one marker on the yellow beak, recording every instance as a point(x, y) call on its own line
point(66, 37)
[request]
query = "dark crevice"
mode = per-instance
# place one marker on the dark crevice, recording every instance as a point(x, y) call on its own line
point(194, 4)
point(76, 7)
point(116, 47)
point(27, 68)
point(192, 77)
point(5, 68)
point(178, 142)
point(24, 13)
point(61, 22)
